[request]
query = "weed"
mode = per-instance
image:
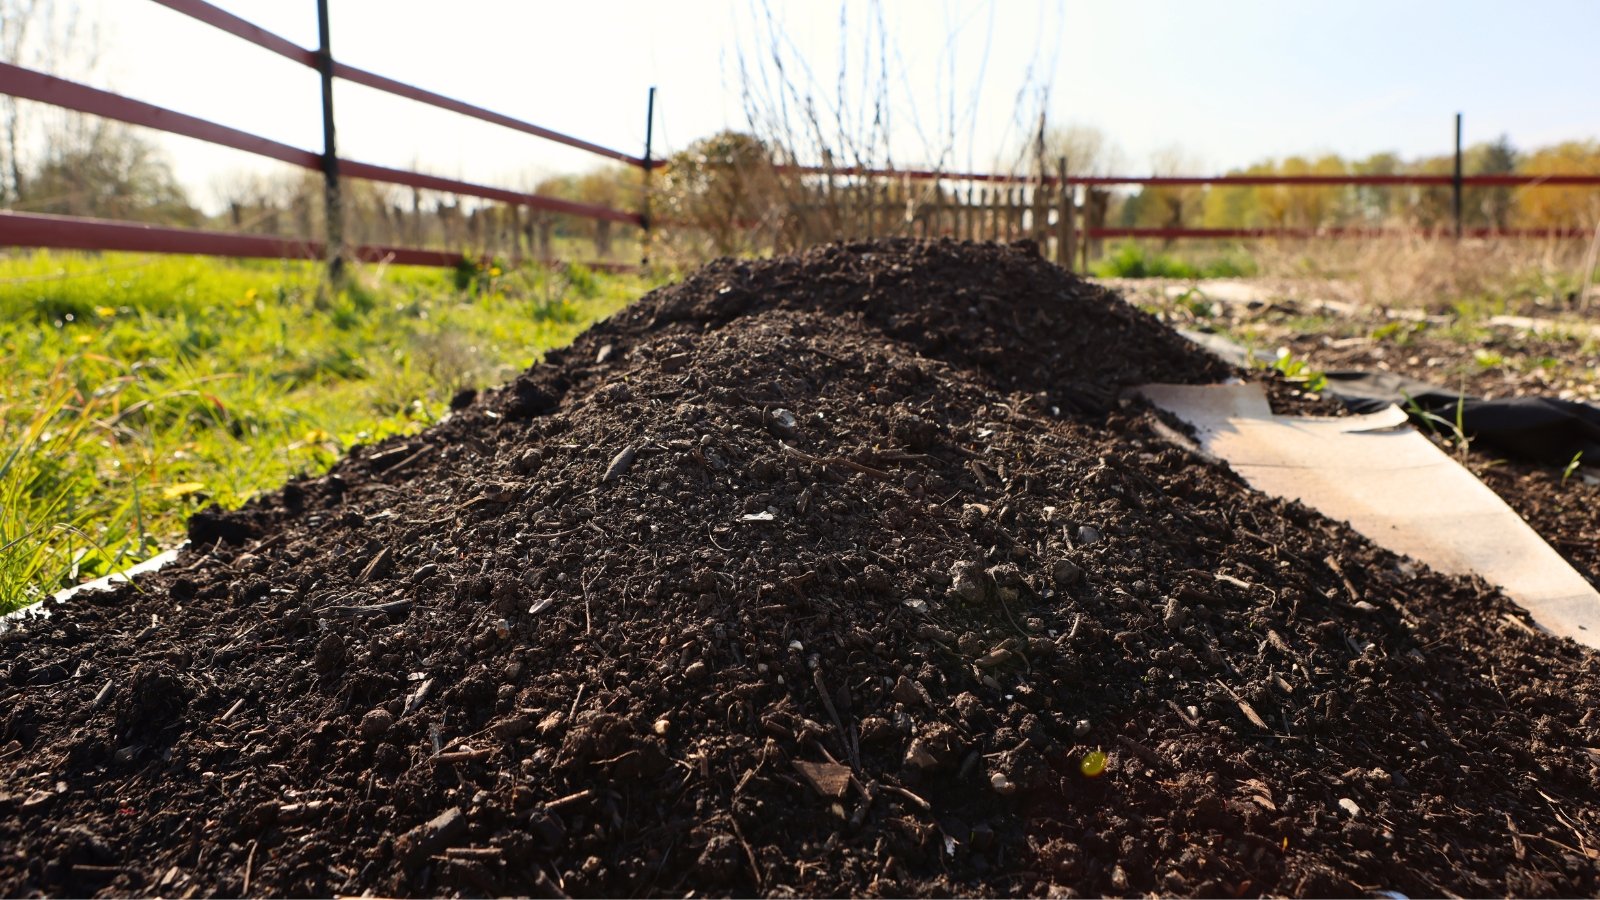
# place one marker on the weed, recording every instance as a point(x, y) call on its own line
point(1398, 331)
point(1133, 260)
point(1572, 466)
point(1299, 370)
point(1453, 431)
point(1488, 359)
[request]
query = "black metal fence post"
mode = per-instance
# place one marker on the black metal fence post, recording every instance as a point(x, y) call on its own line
point(333, 209)
point(649, 133)
point(1455, 183)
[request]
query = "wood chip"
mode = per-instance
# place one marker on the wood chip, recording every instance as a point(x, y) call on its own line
point(1245, 707)
point(378, 567)
point(620, 463)
point(377, 609)
point(830, 779)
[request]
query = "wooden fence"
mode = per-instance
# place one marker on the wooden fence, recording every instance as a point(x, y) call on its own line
point(1066, 214)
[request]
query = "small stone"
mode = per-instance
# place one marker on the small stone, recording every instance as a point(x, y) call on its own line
point(920, 756)
point(375, 724)
point(529, 461)
point(662, 726)
point(1088, 534)
point(783, 422)
point(1002, 785)
point(425, 571)
point(697, 670)
point(909, 692)
point(1066, 573)
point(1349, 806)
point(1174, 615)
point(1081, 729)
point(968, 582)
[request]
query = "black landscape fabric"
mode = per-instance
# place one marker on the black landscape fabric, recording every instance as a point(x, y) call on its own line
point(1540, 429)
point(838, 573)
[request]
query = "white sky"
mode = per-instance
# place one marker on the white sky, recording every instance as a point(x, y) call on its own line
point(1228, 81)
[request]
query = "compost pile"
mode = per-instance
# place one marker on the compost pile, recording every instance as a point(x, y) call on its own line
point(843, 573)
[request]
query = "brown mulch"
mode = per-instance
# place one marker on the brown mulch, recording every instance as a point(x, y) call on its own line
point(829, 574)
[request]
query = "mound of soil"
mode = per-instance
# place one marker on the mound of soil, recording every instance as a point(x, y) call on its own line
point(845, 573)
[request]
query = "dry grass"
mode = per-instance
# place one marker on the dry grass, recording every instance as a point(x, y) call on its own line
point(1436, 273)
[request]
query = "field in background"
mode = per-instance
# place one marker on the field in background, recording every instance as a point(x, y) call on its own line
point(138, 388)
point(1470, 277)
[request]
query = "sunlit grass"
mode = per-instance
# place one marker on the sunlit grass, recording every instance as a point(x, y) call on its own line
point(136, 389)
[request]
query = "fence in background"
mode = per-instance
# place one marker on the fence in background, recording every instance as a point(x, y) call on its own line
point(531, 214)
point(1070, 224)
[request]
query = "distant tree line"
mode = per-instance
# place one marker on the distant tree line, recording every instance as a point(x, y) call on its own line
point(1277, 206)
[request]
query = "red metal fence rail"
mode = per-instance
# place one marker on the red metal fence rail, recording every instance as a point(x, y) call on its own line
point(22, 229)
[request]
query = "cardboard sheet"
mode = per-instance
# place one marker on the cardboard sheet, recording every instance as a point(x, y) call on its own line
point(1395, 487)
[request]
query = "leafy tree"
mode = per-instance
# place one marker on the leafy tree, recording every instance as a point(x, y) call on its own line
point(1558, 207)
point(1489, 207)
point(724, 188)
point(113, 174)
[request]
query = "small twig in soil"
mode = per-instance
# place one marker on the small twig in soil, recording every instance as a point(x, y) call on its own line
point(463, 755)
point(570, 799)
point(755, 868)
point(380, 609)
point(588, 625)
point(237, 705)
point(1244, 707)
point(1332, 563)
point(408, 461)
point(833, 714)
point(249, 867)
point(920, 803)
point(488, 853)
point(826, 461)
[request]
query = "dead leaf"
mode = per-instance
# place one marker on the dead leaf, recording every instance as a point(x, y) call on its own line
point(1256, 791)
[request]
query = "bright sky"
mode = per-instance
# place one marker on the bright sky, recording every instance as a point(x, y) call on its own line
point(1228, 81)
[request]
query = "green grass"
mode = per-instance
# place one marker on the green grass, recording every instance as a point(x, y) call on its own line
point(1133, 260)
point(137, 389)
